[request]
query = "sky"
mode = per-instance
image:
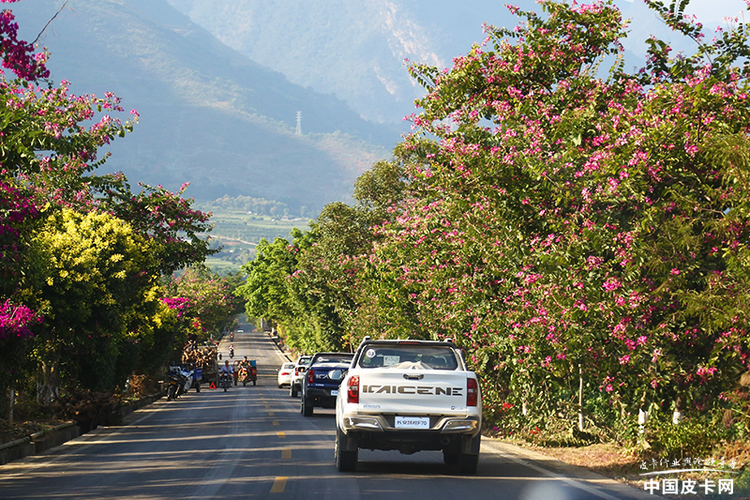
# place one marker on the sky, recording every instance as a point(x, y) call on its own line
point(708, 10)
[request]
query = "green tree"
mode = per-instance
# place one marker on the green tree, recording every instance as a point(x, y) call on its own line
point(49, 158)
point(100, 273)
point(205, 300)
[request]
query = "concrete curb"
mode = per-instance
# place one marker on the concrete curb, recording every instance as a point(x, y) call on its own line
point(41, 441)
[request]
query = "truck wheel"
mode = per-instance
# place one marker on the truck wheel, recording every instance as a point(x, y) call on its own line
point(468, 463)
point(293, 391)
point(450, 457)
point(307, 407)
point(346, 461)
point(468, 459)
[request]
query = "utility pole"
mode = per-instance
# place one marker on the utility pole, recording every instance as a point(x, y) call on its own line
point(299, 124)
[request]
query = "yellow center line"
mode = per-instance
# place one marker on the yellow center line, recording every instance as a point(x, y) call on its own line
point(275, 422)
point(286, 453)
point(270, 414)
point(281, 434)
point(279, 484)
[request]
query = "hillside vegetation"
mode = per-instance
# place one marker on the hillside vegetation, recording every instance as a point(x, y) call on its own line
point(208, 115)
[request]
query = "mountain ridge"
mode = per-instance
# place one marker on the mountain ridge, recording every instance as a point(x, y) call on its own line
point(209, 115)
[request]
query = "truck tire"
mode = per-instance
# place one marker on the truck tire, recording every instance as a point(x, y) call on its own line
point(346, 461)
point(468, 460)
point(468, 463)
point(450, 457)
point(307, 407)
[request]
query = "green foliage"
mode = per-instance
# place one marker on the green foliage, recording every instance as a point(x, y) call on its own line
point(95, 288)
point(697, 435)
point(265, 289)
point(208, 306)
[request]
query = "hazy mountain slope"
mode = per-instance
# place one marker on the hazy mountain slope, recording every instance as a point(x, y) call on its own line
point(356, 48)
point(208, 114)
point(352, 48)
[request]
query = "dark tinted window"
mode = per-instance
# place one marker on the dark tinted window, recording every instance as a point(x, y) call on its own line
point(334, 358)
point(408, 357)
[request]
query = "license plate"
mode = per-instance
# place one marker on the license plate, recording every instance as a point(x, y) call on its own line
point(334, 393)
point(412, 422)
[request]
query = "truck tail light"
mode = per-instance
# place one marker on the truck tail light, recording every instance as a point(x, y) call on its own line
point(353, 392)
point(472, 392)
point(311, 376)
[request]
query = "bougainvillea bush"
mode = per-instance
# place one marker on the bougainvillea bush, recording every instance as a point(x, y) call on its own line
point(568, 219)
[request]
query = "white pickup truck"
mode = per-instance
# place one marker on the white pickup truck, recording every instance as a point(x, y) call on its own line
point(409, 395)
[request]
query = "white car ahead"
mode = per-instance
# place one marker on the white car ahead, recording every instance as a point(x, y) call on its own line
point(285, 374)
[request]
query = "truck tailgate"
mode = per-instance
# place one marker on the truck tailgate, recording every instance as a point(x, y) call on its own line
point(383, 390)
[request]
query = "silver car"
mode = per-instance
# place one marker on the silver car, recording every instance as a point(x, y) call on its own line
point(299, 371)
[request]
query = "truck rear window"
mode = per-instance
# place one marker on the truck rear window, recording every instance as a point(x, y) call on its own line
point(334, 358)
point(409, 357)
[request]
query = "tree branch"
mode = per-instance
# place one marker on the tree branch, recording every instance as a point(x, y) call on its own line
point(48, 22)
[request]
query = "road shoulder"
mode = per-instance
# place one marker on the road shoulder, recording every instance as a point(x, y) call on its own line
point(578, 477)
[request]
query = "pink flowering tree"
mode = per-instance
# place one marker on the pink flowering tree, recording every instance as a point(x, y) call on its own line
point(563, 221)
point(49, 162)
point(204, 302)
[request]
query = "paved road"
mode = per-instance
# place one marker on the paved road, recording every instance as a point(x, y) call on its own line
point(252, 442)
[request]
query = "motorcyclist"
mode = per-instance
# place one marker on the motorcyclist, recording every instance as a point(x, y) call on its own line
point(225, 373)
point(231, 351)
point(240, 365)
point(226, 369)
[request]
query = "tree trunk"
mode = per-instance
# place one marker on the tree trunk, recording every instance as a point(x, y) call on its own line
point(48, 382)
point(581, 425)
point(11, 403)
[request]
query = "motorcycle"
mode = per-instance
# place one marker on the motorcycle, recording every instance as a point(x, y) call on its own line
point(186, 377)
point(175, 383)
point(225, 381)
point(249, 373)
point(244, 375)
point(231, 352)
